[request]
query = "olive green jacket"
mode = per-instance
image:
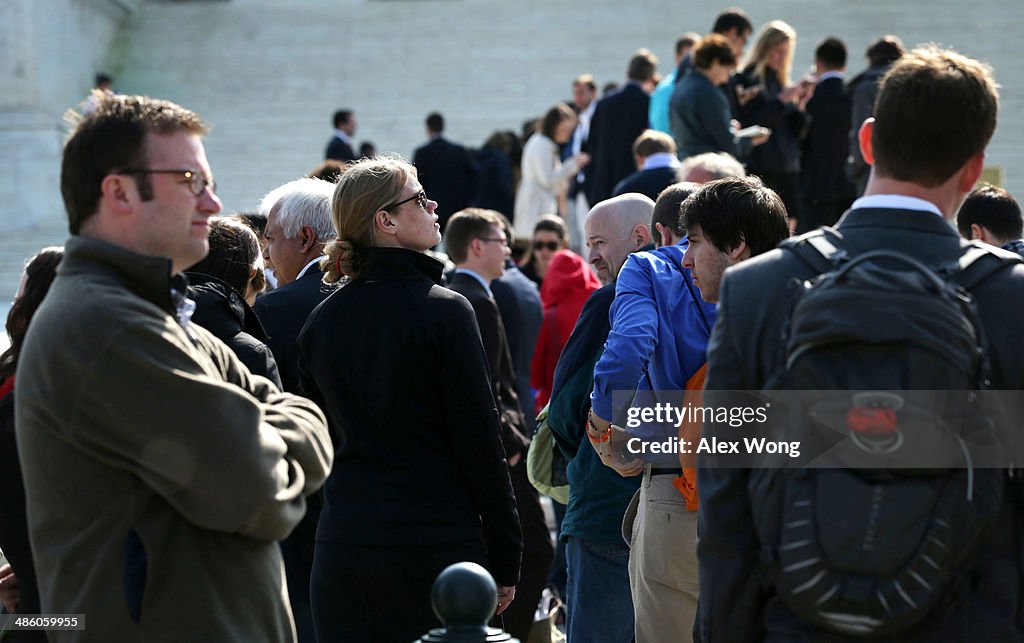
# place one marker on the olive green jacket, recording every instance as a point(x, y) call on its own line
point(159, 472)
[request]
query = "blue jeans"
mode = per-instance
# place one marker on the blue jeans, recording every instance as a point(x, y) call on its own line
point(599, 606)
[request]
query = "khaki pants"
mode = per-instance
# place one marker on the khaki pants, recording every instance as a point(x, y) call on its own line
point(663, 572)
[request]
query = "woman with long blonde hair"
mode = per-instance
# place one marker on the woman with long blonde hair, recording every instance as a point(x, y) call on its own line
point(779, 105)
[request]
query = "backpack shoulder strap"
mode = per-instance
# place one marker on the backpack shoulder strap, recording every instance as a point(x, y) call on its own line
point(977, 264)
point(824, 249)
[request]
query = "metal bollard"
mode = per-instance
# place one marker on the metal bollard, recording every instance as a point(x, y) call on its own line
point(464, 597)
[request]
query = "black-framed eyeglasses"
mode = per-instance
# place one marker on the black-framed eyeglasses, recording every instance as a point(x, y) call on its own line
point(197, 181)
point(420, 198)
point(498, 239)
point(545, 245)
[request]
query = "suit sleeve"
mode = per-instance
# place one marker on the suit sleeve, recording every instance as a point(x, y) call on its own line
point(229, 453)
point(731, 601)
point(487, 319)
point(472, 420)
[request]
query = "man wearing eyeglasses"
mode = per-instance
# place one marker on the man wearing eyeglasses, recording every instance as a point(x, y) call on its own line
point(159, 472)
point(475, 240)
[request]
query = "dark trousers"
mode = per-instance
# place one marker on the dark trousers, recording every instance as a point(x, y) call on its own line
point(558, 576)
point(379, 594)
point(537, 555)
point(297, 552)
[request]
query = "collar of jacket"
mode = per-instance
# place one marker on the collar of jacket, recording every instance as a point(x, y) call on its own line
point(397, 264)
point(917, 220)
point(211, 293)
point(146, 276)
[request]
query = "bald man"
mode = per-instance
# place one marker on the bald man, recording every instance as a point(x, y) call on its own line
point(658, 340)
point(600, 606)
point(614, 228)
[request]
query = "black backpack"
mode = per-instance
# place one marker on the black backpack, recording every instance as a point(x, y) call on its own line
point(871, 543)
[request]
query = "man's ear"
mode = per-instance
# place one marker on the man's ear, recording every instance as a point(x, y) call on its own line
point(972, 172)
point(307, 238)
point(663, 235)
point(118, 191)
point(864, 139)
point(641, 235)
point(739, 253)
point(977, 232)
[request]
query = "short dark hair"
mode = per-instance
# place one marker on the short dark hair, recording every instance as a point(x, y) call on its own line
point(558, 113)
point(341, 117)
point(732, 18)
point(102, 79)
point(435, 122)
point(642, 66)
point(466, 225)
point(112, 138)
point(884, 51)
point(994, 208)
point(234, 250)
point(935, 110)
point(740, 209)
point(831, 53)
point(257, 222)
point(711, 48)
point(666, 208)
point(551, 223)
point(651, 142)
point(329, 170)
point(688, 39)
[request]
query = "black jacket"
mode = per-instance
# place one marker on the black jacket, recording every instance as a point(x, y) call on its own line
point(495, 188)
point(397, 362)
point(618, 120)
point(519, 303)
point(736, 604)
point(283, 312)
point(448, 176)
point(649, 182)
point(499, 360)
point(339, 150)
point(780, 154)
point(823, 176)
point(223, 312)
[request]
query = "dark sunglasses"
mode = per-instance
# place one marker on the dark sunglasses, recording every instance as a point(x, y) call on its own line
point(541, 245)
point(420, 198)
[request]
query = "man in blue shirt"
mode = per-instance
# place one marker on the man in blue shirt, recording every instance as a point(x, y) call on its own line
point(659, 333)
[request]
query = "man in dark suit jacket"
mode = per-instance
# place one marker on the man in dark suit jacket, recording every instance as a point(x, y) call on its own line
point(521, 310)
point(655, 154)
point(339, 148)
point(298, 223)
point(618, 120)
point(445, 170)
point(823, 184)
point(919, 177)
point(476, 242)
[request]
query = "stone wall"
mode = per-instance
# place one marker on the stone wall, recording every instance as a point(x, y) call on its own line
point(49, 52)
point(268, 74)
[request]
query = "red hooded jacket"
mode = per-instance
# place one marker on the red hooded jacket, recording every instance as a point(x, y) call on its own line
point(567, 284)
